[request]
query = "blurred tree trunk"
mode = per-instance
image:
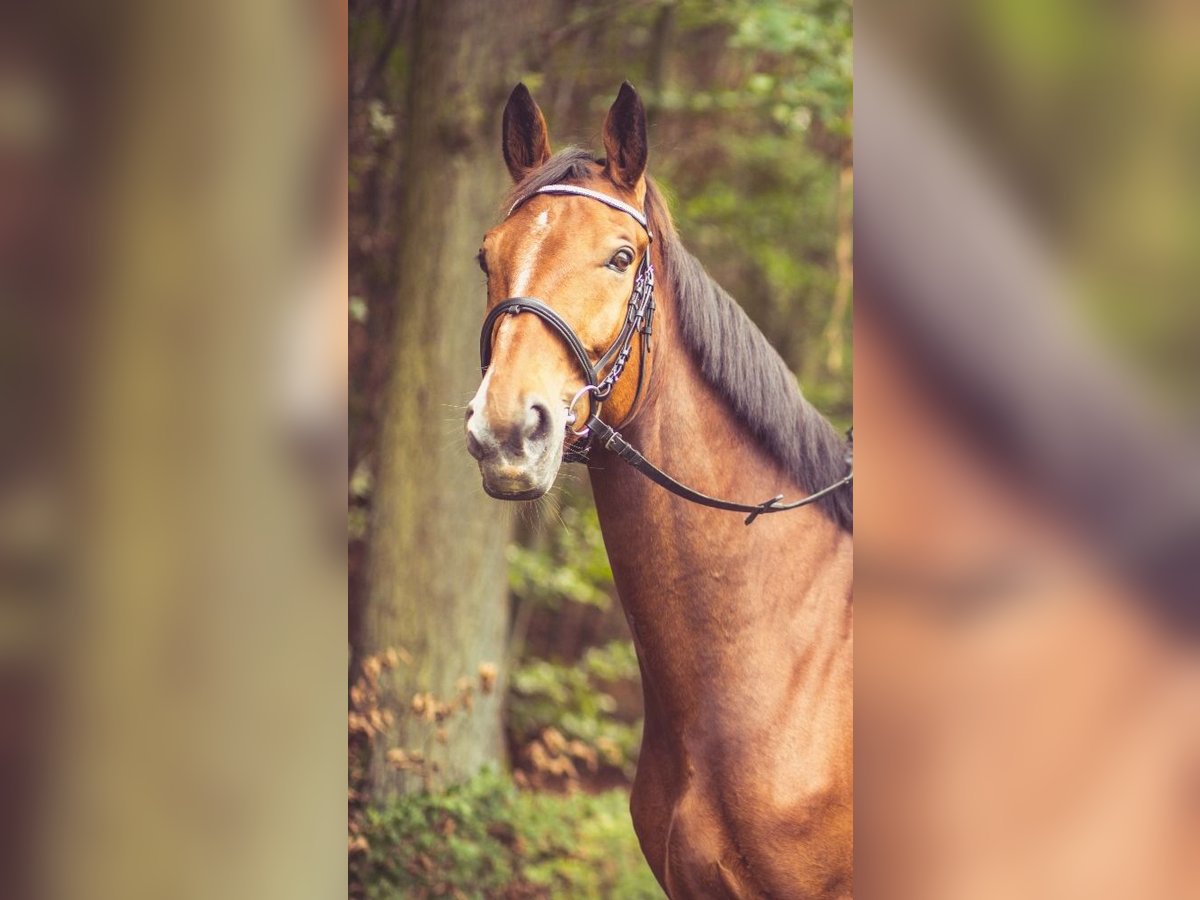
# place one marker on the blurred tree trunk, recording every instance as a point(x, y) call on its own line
point(660, 47)
point(203, 652)
point(436, 579)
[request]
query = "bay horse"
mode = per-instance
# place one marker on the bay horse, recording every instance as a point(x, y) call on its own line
point(743, 634)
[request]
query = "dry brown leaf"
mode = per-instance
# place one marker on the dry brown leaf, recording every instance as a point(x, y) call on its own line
point(584, 753)
point(554, 740)
point(487, 677)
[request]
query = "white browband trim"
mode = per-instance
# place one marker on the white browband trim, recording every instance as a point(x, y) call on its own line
point(585, 192)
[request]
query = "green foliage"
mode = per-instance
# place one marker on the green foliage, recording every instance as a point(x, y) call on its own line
point(570, 565)
point(485, 839)
point(573, 700)
point(795, 60)
point(811, 43)
point(564, 718)
point(754, 150)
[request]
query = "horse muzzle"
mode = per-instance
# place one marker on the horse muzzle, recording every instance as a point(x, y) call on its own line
point(519, 456)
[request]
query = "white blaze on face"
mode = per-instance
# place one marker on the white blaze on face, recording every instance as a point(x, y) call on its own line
point(525, 269)
point(480, 398)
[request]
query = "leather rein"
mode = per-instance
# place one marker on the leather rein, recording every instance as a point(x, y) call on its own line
point(639, 319)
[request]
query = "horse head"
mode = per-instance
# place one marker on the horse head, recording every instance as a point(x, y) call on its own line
point(581, 262)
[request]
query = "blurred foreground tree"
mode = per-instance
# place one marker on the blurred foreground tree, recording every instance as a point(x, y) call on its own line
point(197, 643)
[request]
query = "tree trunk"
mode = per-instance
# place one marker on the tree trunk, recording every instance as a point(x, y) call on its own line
point(203, 658)
point(436, 586)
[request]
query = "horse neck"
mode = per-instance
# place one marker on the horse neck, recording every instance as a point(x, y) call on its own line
point(698, 586)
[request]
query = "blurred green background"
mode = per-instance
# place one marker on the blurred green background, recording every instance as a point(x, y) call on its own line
point(495, 704)
point(1086, 118)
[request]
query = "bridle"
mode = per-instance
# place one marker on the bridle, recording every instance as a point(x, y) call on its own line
point(639, 318)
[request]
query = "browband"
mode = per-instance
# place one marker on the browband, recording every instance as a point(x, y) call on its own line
point(637, 214)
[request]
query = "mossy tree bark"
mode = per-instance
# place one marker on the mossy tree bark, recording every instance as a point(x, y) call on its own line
point(436, 583)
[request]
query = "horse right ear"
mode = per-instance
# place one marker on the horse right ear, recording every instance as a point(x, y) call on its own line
point(526, 141)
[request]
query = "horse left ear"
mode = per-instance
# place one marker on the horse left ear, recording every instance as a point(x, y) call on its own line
point(526, 142)
point(625, 138)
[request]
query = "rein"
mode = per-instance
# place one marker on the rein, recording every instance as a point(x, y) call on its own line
point(639, 318)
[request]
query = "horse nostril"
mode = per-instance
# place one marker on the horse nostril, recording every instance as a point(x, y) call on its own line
point(477, 448)
point(537, 422)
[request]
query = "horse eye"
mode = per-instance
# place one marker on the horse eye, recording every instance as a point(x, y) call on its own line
point(621, 260)
point(482, 260)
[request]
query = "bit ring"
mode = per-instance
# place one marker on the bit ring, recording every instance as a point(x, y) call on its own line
point(571, 417)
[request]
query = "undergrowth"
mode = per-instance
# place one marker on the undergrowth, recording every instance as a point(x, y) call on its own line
point(486, 839)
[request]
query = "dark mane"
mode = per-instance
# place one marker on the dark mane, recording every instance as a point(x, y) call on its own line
point(733, 355)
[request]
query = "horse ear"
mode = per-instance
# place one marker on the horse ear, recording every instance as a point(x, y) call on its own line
point(526, 141)
point(625, 138)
